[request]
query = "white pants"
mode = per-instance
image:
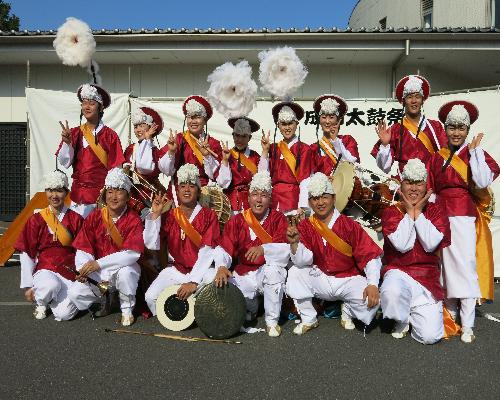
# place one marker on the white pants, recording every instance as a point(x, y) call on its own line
point(304, 283)
point(168, 277)
point(51, 290)
point(268, 280)
point(467, 310)
point(405, 300)
point(125, 279)
point(83, 209)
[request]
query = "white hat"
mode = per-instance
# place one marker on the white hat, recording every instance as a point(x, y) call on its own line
point(319, 184)
point(261, 181)
point(55, 180)
point(329, 106)
point(89, 92)
point(458, 115)
point(188, 173)
point(414, 171)
point(413, 85)
point(140, 117)
point(287, 115)
point(117, 179)
point(195, 108)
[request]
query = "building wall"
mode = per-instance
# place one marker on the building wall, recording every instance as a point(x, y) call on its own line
point(400, 13)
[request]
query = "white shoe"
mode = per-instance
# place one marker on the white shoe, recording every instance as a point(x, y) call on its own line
point(40, 312)
point(467, 335)
point(400, 330)
point(345, 320)
point(127, 319)
point(273, 331)
point(302, 328)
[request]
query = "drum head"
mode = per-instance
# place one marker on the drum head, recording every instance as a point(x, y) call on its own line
point(343, 183)
point(173, 313)
point(220, 312)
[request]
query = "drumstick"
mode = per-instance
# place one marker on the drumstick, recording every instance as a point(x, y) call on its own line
point(213, 153)
point(172, 337)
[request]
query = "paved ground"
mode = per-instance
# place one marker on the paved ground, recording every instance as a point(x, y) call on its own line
point(79, 360)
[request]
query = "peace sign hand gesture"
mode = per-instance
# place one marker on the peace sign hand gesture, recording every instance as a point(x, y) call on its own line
point(226, 153)
point(66, 133)
point(265, 143)
point(172, 143)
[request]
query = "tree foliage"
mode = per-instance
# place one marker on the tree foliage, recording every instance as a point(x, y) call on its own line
point(8, 21)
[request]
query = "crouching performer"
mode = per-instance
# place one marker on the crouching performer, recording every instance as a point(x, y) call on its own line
point(414, 232)
point(192, 232)
point(108, 247)
point(333, 259)
point(256, 238)
point(47, 258)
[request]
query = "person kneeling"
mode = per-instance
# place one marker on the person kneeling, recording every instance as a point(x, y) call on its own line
point(330, 252)
point(108, 247)
point(414, 232)
point(257, 238)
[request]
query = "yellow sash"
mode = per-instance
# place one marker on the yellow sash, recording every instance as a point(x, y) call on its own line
point(451, 328)
point(111, 227)
point(191, 141)
point(421, 135)
point(331, 237)
point(327, 147)
point(60, 231)
point(256, 226)
point(484, 245)
point(249, 164)
point(288, 156)
point(96, 148)
point(187, 228)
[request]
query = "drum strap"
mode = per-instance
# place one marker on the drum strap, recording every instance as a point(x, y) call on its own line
point(111, 228)
point(289, 157)
point(191, 141)
point(421, 135)
point(327, 147)
point(187, 228)
point(249, 164)
point(60, 231)
point(255, 226)
point(96, 147)
point(331, 237)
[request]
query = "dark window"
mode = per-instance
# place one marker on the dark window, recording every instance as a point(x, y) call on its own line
point(496, 15)
point(427, 13)
point(383, 23)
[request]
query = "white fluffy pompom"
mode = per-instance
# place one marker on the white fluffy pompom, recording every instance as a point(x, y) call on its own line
point(74, 43)
point(188, 173)
point(232, 90)
point(55, 180)
point(319, 184)
point(117, 179)
point(261, 181)
point(414, 171)
point(458, 115)
point(281, 72)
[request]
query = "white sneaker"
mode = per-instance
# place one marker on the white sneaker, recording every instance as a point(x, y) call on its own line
point(345, 320)
point(467, 335)
point(127, 319)
point(40, 312)
point(302, 328)
point(273, 331)
point(400, 330)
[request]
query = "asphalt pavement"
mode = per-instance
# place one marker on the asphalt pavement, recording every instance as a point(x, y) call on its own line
point(78, 360)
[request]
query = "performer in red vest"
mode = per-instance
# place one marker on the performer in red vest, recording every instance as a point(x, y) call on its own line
point(414, 136)
point(108, 247)
point(192, 232)
point(193, 146)
point(333, 259)
point(256, 240)
point(332, 147)
point(415, 230)
point(291, 162)
point(460, 175)
point(47, 257)
point(92, 149)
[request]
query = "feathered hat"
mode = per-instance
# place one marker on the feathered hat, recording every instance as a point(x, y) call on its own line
point(146, 115)
point(458, 112)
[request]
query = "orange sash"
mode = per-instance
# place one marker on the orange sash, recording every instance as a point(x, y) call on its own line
point(421, 135)
point(289, 157)
point(60, 231)
point(191, 141)
point(111, 227)
point(327, 147)
point(451, 328)
point(256, 227)
point(96, 147)
point(484, 244)
point(331, 237)
point(249, 164)
point(187, 228)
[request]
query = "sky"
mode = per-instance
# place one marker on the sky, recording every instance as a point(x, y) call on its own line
point(110, 14)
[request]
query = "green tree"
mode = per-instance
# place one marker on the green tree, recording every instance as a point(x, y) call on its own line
point(7, 22)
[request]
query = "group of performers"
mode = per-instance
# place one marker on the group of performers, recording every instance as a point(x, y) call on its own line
point(285, 235)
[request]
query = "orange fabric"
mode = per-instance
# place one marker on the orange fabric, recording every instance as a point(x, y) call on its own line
point(192, 142)
point(457, 163)
point(451, 328)
point(186, 226)
point(288, 156)
point(60, 232)
point(96, 147)
point(331, 237)
point(249, 164)
point(327, 147)
point(111, 227)
point(256, 226)
point(421, 135)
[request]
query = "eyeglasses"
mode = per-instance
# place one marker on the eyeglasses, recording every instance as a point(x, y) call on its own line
point(460, 128)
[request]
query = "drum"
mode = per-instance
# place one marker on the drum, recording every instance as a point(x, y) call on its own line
point(213, 197)
point(173, 313)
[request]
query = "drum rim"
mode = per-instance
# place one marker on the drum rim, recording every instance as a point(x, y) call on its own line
point(169, 324)
point(341, 195)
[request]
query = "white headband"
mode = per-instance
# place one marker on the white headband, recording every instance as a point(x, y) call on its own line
point(89, 92)
point(319, 184)
point(458, 115)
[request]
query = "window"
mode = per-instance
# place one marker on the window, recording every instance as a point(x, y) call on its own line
point(383, 23)
point(427, 13)
point(495, 13)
